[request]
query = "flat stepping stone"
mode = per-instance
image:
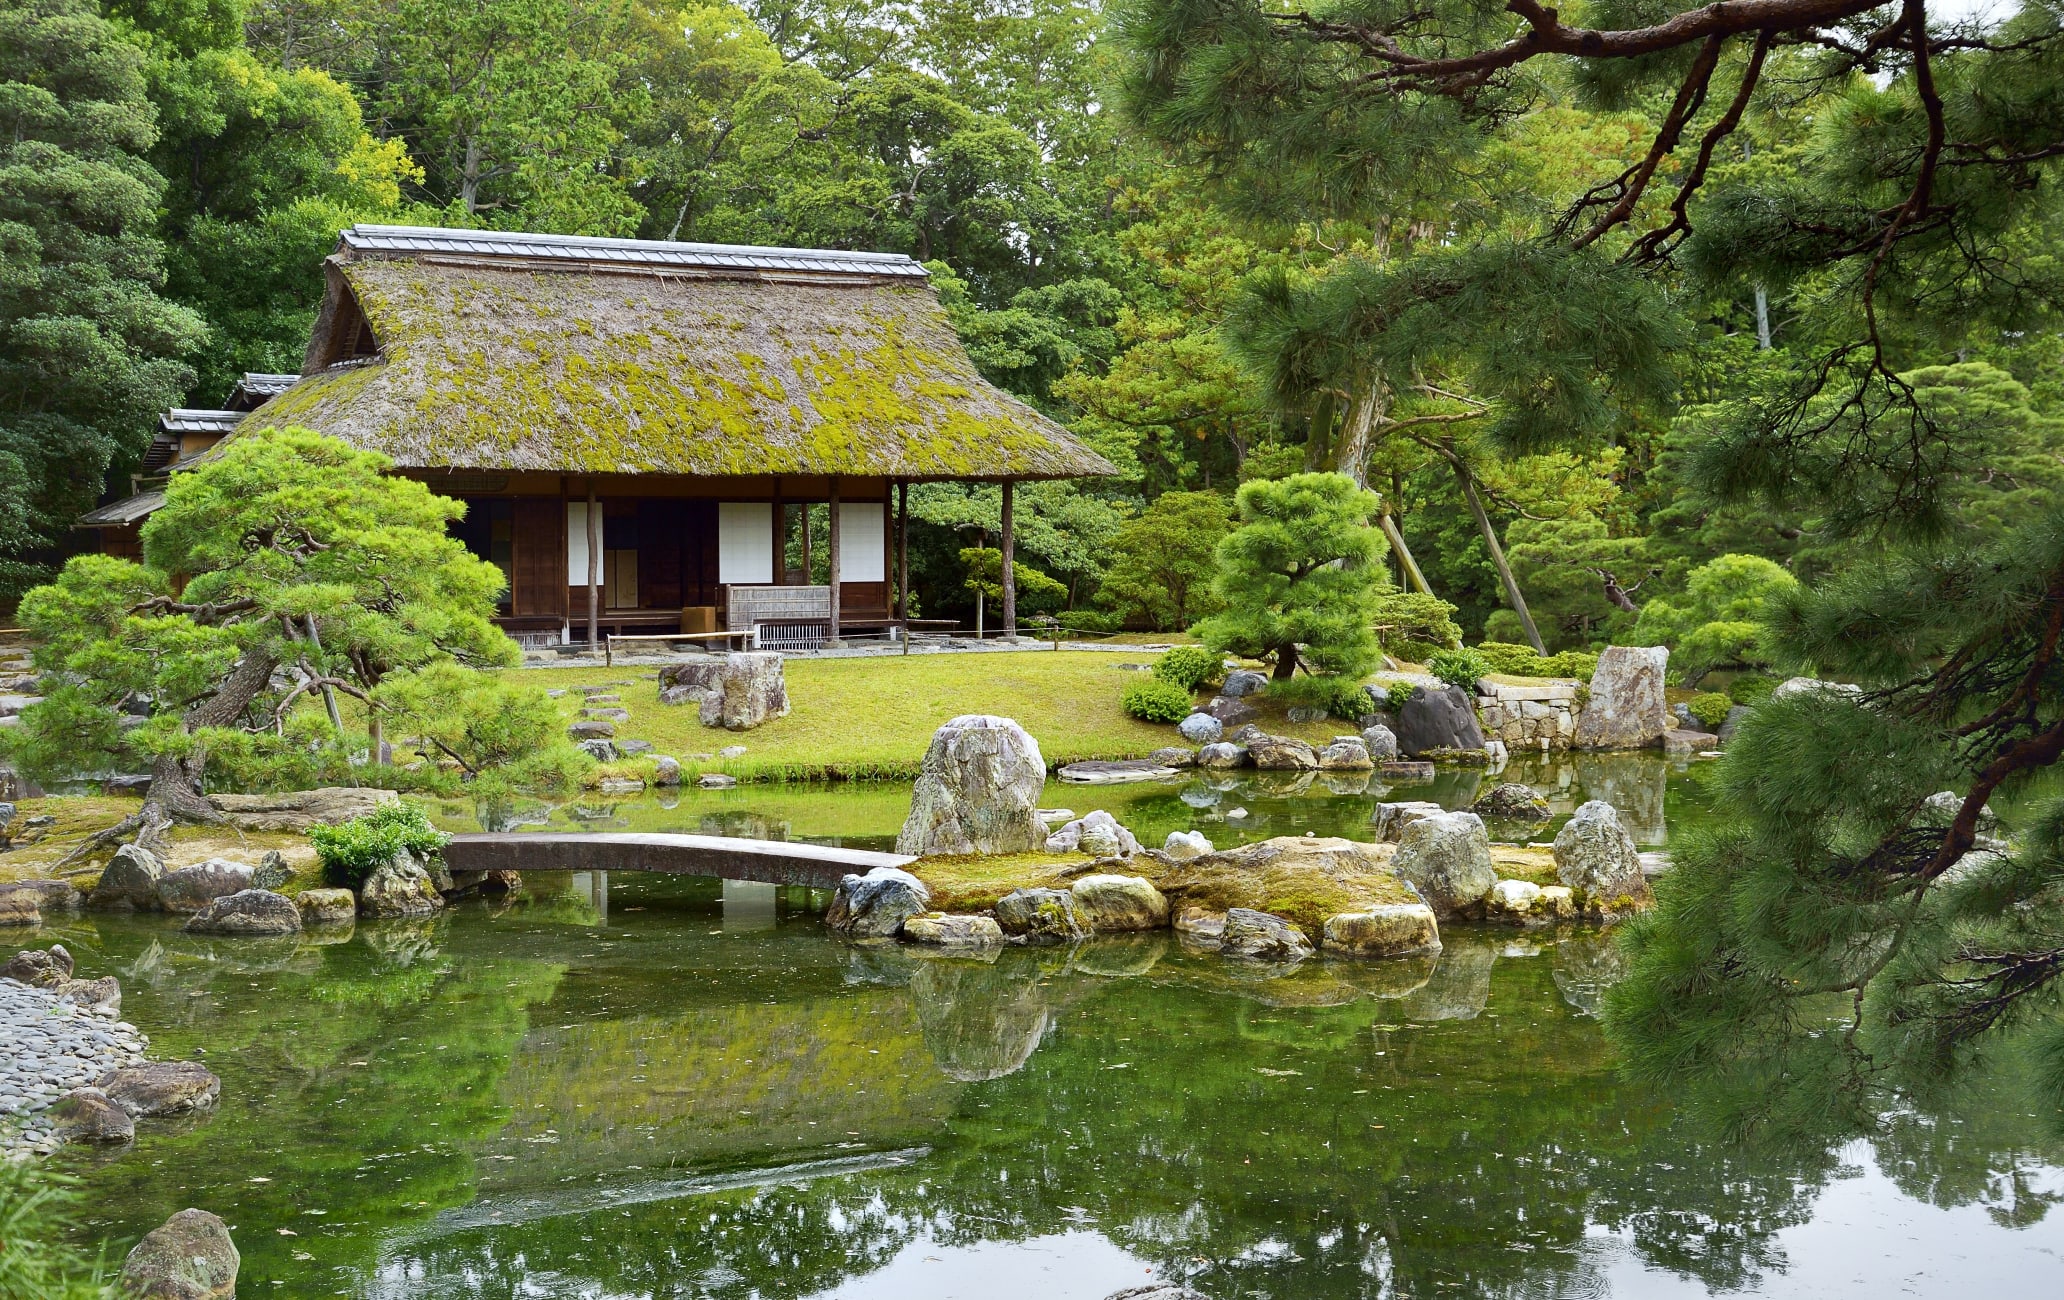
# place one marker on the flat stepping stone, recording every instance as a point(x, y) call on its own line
point(1406, 771)
point(1118, 772)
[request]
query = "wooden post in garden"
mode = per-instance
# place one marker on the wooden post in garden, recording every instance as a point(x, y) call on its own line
point(832, 541)
point(594, 568)
point(1010, 577)
point(809, 569)
point(1490, 536)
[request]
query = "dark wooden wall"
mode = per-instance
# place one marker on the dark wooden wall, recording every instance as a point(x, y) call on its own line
point(538, 553)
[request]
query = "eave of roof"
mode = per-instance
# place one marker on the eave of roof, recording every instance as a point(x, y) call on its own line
point(573, 250)
point(129, 510)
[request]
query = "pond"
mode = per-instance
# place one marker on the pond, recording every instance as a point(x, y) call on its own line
point(675, 1088)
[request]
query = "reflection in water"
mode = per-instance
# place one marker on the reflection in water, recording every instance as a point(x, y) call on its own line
point(524, 1099)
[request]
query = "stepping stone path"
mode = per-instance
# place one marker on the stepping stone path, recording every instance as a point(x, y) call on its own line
point(47, 1048)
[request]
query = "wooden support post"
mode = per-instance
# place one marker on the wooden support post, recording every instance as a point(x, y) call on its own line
point(780, 513)
point(1403, 552)
point(1490, 536)
point(809, 569)
point(594, 568)
point(903, 557)
point(1010, 574)
point(832, 540)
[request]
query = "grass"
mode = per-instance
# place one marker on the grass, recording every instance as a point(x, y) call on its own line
point(79, 816)
point(874, 717)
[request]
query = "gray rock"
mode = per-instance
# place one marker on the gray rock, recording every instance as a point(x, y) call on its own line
point(326, 906)
point(1222, 756)
point(1677, 742)
point(1447, 858)
point(739, 692)
point(1041, 915)
point(1513, 802)
point(130, 882)
point(190, 1257)
point(1381, 743)
point(1282, 754)
point(252, 913)
point(602, 751)
point(1097, 834)
point(47, 895)
point(591, 729)
point(1305, 713)
point(1438, 718)
point(39, 969)
point(1262, 936)
point(610, 713)
point(634, 747)
point(716, 781)
point(161, 1087)
point(86, 1115)
point(1200, 728)
point(1112, 904)
point(1346, 754)
point(1388, 820)
point(874, 906)
point(17, 908)
point(1813, 686)
point(944, 930)
point(1732, 723)
point(1627, 709)
point(190, 889)
point(1391, 930)
point(1243, 682)
point(1230, 712)
point(732, 751)
point(977, 791)
point(1597, 859)
point(273, 871)
point(1941, 809)
point(401, 887)
point(1173, 756)
point(101, 996)
point(1184, 845)
point(666, 772)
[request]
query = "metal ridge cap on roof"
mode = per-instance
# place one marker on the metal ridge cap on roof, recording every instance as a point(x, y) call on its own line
point(432, 239)
point(185, 415)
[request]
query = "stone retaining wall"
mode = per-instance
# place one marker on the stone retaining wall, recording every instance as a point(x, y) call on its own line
point(1541, 716)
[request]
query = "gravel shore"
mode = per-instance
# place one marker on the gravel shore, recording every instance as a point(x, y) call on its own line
point(47, 1048)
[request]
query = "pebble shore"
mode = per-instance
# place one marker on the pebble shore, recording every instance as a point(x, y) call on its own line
point(47, 1048)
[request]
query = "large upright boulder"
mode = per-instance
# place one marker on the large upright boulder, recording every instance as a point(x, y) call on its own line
point(397, 888)
point(188, 1257)
point(129, 883)
point(1447, 858)
point(1597, 859)
point(978, 791)
point(1438, 718)
point(1627, 709)
point(738, 692)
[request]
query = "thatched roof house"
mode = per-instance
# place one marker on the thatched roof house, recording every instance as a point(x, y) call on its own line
point(694, 392)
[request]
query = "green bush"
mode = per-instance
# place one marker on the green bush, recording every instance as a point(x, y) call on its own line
point(1710, 707)
point(1512, 660)
point(351, 852)
point(1341, 697)
point(1191, 667)
point(1579, 664)
point(1459, 667)
point(1412, 625)
point(1090, 620)
point(1398, 694)
point(1150, 699)
point(1751, 688)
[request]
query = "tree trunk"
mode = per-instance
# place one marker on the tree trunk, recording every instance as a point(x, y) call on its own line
point(1357, 431)
point(1403, 553)
point(176, 782)
point(469, 183)
point(1286, 662)
point(1490, 536)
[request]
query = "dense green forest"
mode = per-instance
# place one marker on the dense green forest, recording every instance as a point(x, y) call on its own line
point(1190, 238)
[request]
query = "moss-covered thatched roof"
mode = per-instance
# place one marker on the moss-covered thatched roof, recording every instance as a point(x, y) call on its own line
point(491, 359)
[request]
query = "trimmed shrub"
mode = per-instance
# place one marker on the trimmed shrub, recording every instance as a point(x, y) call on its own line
point(1579, 664)
point(1511, 659)
point(1710, 708)
point(1090, 620)
point(1412, 625)
point(1341, 697)
point(1398, 694)
point(1151, 699)
point(1751, 688)
point(1191, 667)
point(354, 850)
point(1459, 667)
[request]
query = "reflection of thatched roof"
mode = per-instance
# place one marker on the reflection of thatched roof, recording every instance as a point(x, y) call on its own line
point(471, 351)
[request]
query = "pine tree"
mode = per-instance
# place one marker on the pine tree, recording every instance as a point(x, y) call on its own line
point(89, 353)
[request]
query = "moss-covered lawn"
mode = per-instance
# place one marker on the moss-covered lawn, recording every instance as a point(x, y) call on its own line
point(79, 816)
point(875, 716)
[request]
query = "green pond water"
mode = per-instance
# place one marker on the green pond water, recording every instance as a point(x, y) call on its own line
point(658, 1087)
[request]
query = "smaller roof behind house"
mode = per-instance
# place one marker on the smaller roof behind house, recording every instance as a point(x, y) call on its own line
point(129, 510)
point(179, 423)
point(257, 388)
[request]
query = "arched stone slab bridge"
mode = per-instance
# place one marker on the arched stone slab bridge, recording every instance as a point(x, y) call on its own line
point(815, 865)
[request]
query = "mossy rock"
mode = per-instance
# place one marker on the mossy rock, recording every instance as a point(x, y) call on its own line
point(973, 883)
point(1301, 880)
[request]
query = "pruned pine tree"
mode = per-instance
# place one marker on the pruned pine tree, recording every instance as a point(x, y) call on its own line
point(1917, 221)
